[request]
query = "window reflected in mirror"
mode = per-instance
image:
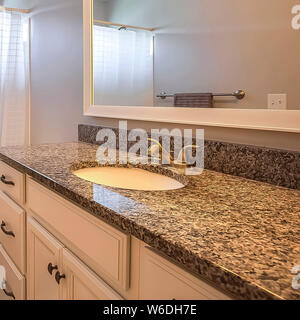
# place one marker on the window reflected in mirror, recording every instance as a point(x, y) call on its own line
point(123, 66)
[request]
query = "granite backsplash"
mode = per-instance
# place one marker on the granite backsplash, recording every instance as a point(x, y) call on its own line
point(273, 166)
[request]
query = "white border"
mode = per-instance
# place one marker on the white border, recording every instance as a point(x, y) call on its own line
point(255, 119)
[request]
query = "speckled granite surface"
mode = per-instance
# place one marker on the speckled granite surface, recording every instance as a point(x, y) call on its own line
point(240, 234)
point(278, 167)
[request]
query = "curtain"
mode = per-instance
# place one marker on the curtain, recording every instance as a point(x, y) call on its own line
point(123, 67)
point(14, 78)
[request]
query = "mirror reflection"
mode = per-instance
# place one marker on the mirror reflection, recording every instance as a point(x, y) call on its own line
point(196, 54)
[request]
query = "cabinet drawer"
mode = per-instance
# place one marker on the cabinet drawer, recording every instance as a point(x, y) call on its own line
point(15, 282)
point(107, 248)
point(12, 232)
point(12, 182)
point(162, 280)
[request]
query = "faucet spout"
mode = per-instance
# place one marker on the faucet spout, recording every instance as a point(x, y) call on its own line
point(157, 149)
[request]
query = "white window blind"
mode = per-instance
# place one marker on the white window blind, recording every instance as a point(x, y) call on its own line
point(14, 80)
point(123, 67)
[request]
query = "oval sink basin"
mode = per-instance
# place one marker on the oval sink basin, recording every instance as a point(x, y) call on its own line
point(128, 178)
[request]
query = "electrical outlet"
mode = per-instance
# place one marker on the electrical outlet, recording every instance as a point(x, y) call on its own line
point(277, 101)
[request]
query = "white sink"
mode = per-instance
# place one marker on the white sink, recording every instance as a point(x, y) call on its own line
point(128, 178)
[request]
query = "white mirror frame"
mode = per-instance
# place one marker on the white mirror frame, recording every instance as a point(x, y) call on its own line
point(256, 119)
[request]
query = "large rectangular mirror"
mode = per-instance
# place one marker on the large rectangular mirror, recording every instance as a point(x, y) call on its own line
point(186, 55)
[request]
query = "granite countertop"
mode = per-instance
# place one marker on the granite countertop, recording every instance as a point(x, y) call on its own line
point(243, 235)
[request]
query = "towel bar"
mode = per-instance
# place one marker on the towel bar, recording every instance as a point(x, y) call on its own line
point(239, 94)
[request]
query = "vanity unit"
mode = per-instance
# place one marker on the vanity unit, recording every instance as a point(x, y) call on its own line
point(52, 249)
point(66, 238)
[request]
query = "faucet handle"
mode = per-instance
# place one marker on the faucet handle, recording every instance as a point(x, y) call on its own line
point(181, 159)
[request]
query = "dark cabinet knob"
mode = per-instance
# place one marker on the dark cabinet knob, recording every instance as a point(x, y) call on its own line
point(51, 268)
point(59, 276)
point(9, 294)
point(3, 180)
point(8, 233)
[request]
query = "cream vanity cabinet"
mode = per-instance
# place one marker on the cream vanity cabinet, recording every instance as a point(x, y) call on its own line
point(51, 261)
point(12, 232)
point(55, 273)
point(52, 250)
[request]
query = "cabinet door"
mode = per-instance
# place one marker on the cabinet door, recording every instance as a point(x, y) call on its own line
point(44, 253)
point(162, 280)
point(81, 283)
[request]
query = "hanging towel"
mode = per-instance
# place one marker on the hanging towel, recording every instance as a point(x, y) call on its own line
point(194, 100)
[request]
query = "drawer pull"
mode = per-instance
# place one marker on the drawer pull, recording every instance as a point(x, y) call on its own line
point(3, 180)
point(8, 233)
point(9, 294)
point(59, 276)
point(51, 268)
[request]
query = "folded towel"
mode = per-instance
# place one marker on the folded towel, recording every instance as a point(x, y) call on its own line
point(194, 100)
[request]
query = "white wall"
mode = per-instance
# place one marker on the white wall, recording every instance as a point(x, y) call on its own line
point(57, 83)
point(56, 71)
point(100, 9)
